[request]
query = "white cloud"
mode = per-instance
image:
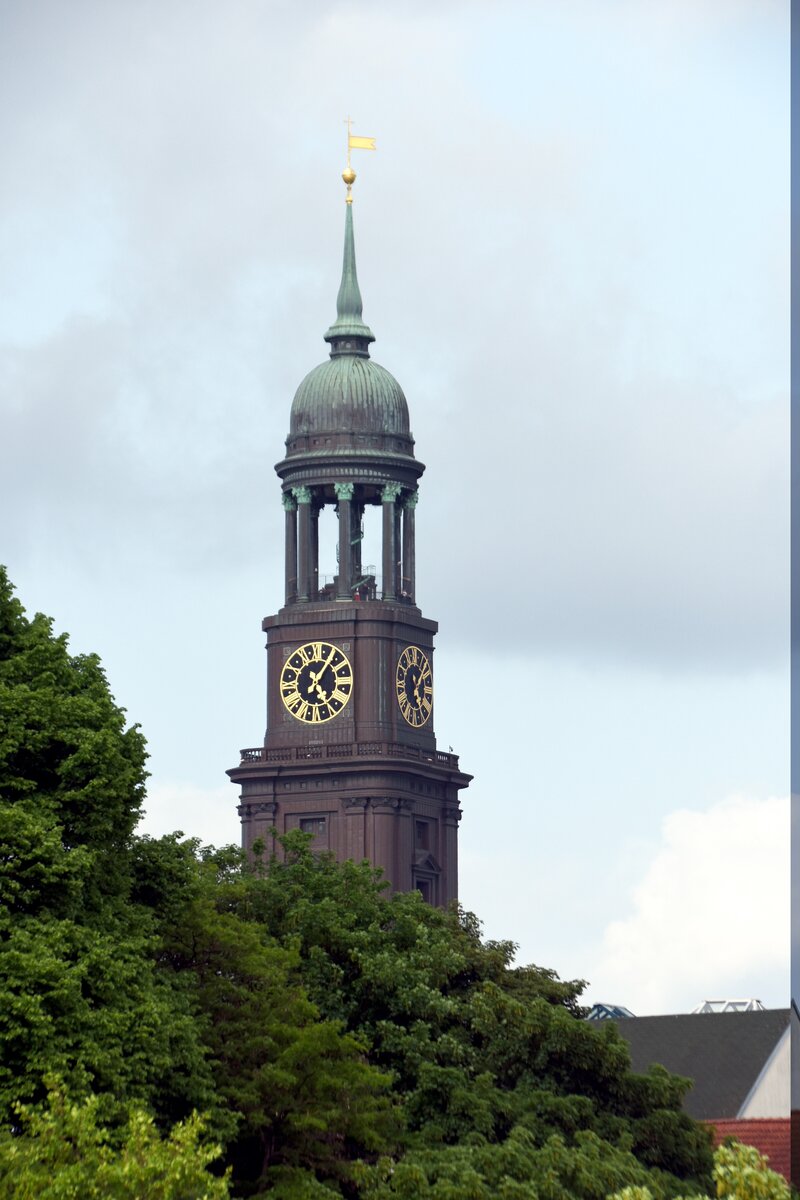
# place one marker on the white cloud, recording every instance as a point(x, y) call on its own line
point(710, 916)
point(205, 813)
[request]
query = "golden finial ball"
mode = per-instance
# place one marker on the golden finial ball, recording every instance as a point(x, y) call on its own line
point(349, 176)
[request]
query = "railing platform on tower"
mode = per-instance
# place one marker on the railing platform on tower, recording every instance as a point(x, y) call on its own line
point(257, 754)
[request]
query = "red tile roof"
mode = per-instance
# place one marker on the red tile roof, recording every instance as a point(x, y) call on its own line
point(769, 1135)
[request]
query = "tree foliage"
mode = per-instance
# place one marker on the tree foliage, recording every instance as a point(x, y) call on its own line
point(338, 1041)
point(475, 1046)
point(302, 1089)
point(740, 1173)
point(65, 747)
point(62, 1152)
point(80, 993)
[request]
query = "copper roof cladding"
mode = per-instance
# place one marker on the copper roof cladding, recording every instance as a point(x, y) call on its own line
point(350, 406)
point(350, 394)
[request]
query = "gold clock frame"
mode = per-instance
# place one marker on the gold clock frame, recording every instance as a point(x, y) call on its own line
point(413, 659)
point(301, 686)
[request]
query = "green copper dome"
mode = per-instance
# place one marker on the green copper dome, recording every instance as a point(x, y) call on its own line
point(350, 394)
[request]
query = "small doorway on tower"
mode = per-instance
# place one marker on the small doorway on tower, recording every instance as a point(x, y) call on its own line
point(426, 870)
point(425, 887)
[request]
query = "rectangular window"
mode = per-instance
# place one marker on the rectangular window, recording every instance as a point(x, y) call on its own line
point(313, 825)
point(422, 835)
point(424, 888)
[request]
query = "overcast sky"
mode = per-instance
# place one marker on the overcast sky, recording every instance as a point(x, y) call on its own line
point(573, 250)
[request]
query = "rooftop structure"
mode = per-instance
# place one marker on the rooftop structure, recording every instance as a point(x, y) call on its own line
point(720, 1006)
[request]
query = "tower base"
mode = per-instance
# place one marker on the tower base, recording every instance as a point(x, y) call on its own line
point(395, 805)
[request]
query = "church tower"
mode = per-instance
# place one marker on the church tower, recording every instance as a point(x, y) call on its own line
point(350, 752)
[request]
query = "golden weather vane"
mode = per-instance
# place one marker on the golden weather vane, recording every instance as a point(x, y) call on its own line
point(354, 142)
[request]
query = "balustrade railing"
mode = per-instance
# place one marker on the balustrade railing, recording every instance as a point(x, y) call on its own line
point(348, 750)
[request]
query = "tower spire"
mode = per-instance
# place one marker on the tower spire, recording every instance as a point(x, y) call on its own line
point(348, 334)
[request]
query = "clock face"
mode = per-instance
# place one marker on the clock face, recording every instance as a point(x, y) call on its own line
point(414, 684)
point(316, 682)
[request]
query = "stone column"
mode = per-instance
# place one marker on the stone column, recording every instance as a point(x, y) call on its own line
point(389, 500)
point(408, 582)
point(355, 831)
point(303, 497)
point(398, 547)
point(405, 846)
point(384, 817)
point(257, 820)
point(290, 508)
point(344, 494)
point(451, 815)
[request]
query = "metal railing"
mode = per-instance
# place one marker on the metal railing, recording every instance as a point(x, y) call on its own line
point(368, 585)
point(348, 750)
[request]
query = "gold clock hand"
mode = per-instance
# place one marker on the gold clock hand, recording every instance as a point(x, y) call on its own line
point(316, 675)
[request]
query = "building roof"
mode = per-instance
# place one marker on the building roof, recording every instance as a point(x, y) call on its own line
point(724, 1053)
point(350, 394)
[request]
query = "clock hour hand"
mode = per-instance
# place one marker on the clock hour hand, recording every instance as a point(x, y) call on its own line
point(315, 685)
point(315, 678)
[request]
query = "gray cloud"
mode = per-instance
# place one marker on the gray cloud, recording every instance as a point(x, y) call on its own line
point(593, 356)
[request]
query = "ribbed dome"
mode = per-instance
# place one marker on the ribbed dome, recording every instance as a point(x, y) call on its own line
point(349, 394)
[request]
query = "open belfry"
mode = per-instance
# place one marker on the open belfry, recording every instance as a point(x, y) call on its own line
point(350, 754)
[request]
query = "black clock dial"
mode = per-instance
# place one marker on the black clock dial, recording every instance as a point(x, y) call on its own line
point(414, 686)
point(316, 682)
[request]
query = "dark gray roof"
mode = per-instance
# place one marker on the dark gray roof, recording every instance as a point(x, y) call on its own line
point(724, 1053)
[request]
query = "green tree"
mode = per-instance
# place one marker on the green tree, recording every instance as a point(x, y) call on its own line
point(120, 970)
point(305, 1099)
point(743, 1173)
point(63, 1152)
point(65, 747)
point(740, 1173)
point(476, 1047)
point(515, 1169)
point(80, 994)
point(340, 1042)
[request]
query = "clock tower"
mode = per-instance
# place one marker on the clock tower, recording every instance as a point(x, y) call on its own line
point(350, 751)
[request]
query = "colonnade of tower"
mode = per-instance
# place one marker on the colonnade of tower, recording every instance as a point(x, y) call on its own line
point(303, 506)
